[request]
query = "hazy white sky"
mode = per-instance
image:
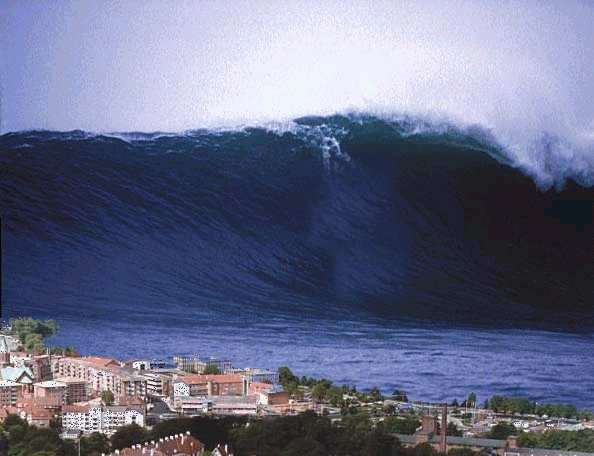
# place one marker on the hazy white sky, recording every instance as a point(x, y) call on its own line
point(142, 65)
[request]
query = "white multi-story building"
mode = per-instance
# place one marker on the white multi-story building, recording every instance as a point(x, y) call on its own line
point(100, 418)
point(159, 381)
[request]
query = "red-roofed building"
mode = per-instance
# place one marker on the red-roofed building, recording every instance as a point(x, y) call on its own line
point(259, 387)
point(210, 385)
point(178, 445)
point(103, 362)
point(37, 416)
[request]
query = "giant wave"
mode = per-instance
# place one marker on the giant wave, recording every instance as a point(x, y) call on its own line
point(391, 218)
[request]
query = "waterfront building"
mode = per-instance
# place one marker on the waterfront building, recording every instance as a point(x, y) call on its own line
point(91, 418)
point(210, 385)
point(145, 364)
point(257, 375)
point(102, 374)
point(159, 382)
point(196, 365)
point(217, 405)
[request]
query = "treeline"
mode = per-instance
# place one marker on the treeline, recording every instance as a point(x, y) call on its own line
point(525, 406)
point(304, 434)
point(559, 440)
point(32, 334)
point(18, 438)
point(323, 390)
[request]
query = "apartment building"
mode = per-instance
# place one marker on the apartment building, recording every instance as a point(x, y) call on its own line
point(100, 418)
point(210, 385)
point(50, 393)
point(159, 383)
point(102, 374)
point(9, 392)
point(76, 389)
point(146, 364)
point(197, 365)
point(257, 375)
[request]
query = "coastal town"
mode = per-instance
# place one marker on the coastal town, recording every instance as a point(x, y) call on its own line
point(83, 396)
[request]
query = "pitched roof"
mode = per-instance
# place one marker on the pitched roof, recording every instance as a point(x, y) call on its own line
point(68, 380)
point(50, 384)
point(75, 409)
point(104, 362)
point(16, 374)
point(173, 445)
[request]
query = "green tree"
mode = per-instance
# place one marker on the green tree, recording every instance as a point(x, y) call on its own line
point(32, 333)
point(211, 369)
point(464, 452)
point(399, 425)
point(453, 430)
point(471, 401)
point(127, 436)
point(286, 376)
point(502, 431)
point(95, 444)
point(375, 395)
point(304, 446)
point(378, 443)
point(423, 449)
point(529, 440)
point(107, 397)
point(319, 392)
point(400, 395)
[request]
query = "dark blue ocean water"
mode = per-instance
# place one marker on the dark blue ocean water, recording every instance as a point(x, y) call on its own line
point(351, 248)
point(429, 363)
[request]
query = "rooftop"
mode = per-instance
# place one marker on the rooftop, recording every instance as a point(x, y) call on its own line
point(16, 373)
point(175, 444)
point(218, 378)
point(68, 380)
point(50, 384)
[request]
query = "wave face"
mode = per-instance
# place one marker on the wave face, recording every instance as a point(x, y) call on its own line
point(331, 216)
